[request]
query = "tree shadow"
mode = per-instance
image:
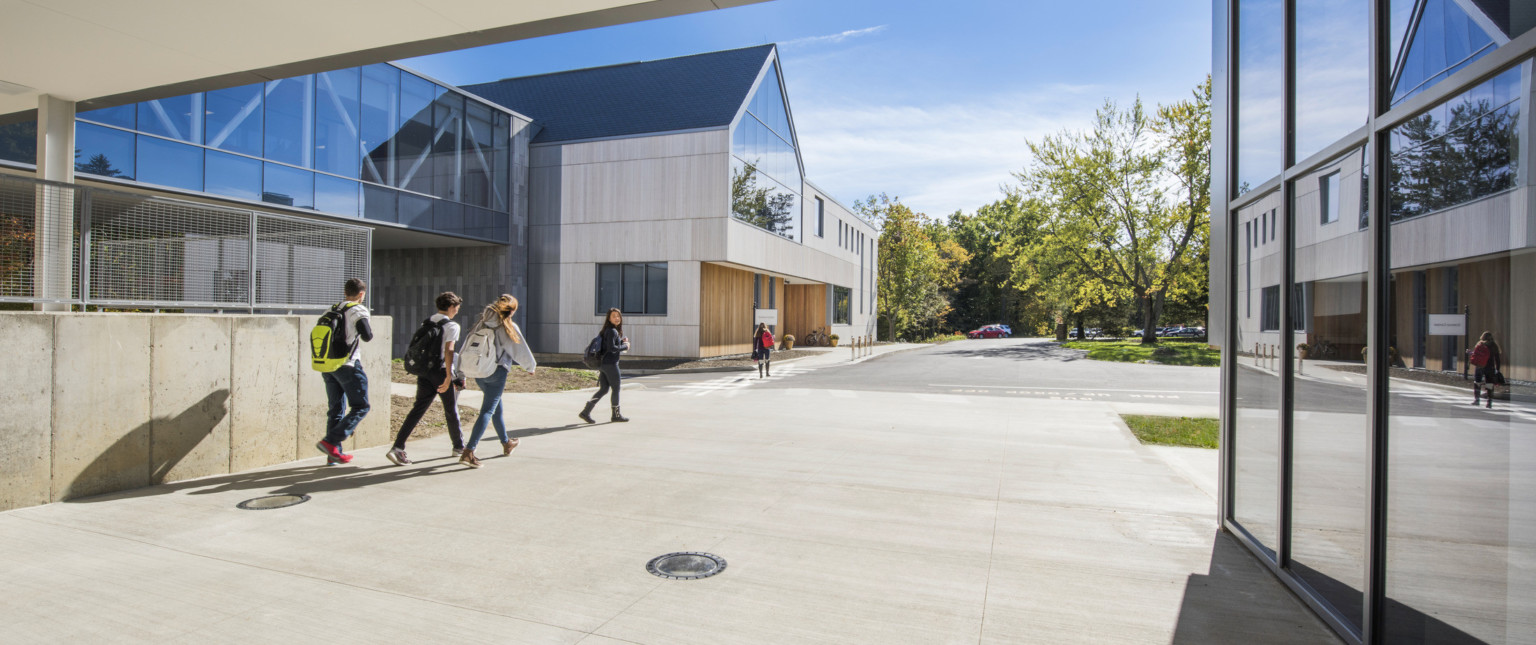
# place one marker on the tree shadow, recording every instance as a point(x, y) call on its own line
point(1024, 352)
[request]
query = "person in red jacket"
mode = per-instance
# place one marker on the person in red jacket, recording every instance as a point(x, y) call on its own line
point(762, 349)
point(1489, 363)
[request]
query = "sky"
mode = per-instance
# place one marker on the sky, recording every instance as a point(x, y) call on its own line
point(932, 102)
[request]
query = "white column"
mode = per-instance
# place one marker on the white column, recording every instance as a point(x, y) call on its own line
point(54, 214)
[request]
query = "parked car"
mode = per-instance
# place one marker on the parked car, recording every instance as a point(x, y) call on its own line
point(1090, 332)
point(987, 331)
point(1007, 330)
point(1188, 332)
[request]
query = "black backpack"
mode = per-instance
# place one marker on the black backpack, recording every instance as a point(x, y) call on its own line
point(425, 354)
point(593, 357)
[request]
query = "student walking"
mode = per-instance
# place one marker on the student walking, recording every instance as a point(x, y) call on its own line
point(510, 349)
point(1489, 362)
point(347, 382)
point(762, 349)
point(614, 343)
point(433, 365)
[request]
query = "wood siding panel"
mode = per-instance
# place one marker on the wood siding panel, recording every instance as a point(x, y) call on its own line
point(725, 311)
point(804, 308)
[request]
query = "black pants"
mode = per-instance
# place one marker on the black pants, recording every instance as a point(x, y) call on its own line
point(426, 390)
point(607, 377)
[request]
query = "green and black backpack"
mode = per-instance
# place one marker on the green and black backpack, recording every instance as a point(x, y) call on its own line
point(328, 347)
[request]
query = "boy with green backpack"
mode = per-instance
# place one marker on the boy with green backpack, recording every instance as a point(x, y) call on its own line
point(336, 350)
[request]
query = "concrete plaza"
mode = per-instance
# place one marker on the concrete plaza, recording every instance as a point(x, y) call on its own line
point(846, 514)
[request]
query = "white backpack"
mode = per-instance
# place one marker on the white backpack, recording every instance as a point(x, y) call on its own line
point(478, 359)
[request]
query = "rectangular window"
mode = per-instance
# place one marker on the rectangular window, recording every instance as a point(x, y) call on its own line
point(821, 218)
point(610, 287)
point(1274, 220)
point(772, 293)
point(1299, 306)
point(842, 299)
point(839, 232)
point(1328, 189)
point(1264, 227)
point(656, 288)
point(1269, 309)
point(633, 288)
point(757, 291)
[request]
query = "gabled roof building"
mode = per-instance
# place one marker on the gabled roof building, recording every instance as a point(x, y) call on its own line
point(674, 190)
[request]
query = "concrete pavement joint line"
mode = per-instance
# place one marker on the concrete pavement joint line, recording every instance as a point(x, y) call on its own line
point(997, 509)
point(296, 574)
point(1065, 389)
point(712, 548)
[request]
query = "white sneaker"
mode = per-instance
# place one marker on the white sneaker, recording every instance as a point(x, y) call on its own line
point(398, 456)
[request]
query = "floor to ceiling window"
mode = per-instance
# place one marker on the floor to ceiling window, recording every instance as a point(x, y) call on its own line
point(1367, 437)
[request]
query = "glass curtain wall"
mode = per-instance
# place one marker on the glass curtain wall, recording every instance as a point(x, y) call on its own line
point(1348, 405)
point(372, 142)
point(765, 168)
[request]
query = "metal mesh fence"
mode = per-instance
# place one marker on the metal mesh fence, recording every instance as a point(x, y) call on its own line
point(39, 220)
point(299, 262)
point(151, 250)
point(145, 251)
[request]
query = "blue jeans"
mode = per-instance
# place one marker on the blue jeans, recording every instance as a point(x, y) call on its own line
point(350, 382)
point(491, 388)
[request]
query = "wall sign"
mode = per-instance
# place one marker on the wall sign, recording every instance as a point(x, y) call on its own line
point(1447, 324)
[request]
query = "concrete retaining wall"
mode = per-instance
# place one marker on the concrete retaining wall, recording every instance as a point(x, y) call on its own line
point(95, 403)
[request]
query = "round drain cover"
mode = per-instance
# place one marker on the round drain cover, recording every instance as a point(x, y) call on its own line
point(272, 501)
point(686, 566)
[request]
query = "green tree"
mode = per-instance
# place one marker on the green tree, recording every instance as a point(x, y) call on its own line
point(916, 272)
point(98, 165)
point(1125, 208)
point(760, 206)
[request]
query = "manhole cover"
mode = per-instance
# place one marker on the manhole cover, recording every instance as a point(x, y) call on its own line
point(272, 501)
point(686, 566)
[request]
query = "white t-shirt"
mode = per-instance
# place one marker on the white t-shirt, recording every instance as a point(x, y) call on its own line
point(450, 333)
point(349, 328)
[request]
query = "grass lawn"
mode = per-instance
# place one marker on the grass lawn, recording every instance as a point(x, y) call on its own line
point(1167, 351)
point(1173, 431)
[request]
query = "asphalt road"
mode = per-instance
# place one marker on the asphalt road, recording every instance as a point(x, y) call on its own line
point(1029, 367)
point(1040, 369)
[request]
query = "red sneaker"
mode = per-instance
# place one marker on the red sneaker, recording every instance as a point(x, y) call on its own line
point(333, 453)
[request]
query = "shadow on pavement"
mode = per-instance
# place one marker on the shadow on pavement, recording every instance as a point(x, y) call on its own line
point(1025, 352)
point(293, 480)
point(1239, 601)
point(317, 478)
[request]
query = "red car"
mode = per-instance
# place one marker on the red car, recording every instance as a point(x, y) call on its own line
point(988, 331)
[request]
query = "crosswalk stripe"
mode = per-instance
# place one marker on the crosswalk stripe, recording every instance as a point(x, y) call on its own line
point(730, 385)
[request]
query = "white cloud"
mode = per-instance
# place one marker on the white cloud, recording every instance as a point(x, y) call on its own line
point(834, 38)
point(939, 158)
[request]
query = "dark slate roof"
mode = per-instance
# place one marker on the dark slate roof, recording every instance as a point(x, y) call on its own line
point(698, 91)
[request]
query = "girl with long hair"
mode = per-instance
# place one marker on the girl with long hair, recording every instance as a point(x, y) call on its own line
point(1489, 362)
point(762, 349)
point(511, 349)
point(614, 344)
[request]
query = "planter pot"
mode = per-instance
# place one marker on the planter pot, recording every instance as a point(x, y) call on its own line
point(788, 344)
point(834, 342)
